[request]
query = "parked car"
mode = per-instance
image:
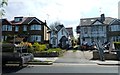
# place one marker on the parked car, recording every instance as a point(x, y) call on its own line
point(88, 47)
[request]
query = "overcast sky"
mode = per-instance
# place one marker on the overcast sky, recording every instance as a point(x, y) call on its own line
point(67, 12)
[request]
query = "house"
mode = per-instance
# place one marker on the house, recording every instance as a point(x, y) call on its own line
point(30, 28)
point(70, 30)
point(114, 30)
point(71, 39)
point(59, 36)
point(94, 29)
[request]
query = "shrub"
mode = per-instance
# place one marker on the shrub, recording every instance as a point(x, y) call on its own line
point(54, 50)
point(39, 47)
point(30, 49)
point(117, 45)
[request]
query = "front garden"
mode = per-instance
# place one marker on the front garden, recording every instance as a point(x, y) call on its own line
point(38, 50)
point(43, 50)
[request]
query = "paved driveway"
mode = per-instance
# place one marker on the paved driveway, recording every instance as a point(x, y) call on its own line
point(75, 57)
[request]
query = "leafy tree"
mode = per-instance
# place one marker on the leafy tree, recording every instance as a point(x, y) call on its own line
point(53, 25)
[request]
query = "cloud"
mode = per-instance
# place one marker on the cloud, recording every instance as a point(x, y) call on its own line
point(68, 12)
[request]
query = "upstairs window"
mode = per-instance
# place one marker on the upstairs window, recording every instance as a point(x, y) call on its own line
point(115, 28)
point(6, 28)
point(35, 27)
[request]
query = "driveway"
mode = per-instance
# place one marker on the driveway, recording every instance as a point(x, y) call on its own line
point(75, 57)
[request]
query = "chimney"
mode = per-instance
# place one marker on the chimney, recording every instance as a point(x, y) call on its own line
point(102, 18)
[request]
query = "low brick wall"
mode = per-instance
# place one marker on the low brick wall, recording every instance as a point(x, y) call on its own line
point(107, 55)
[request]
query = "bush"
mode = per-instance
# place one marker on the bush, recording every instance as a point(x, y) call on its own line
point(39, 47)
point(117, 45)
point(54, 50)
point(7, 47)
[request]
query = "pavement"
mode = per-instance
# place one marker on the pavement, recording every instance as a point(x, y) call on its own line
point(42, 59)
point(107, 62)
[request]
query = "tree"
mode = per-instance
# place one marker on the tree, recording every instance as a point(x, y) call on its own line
point(53, 25)
point(3, 3)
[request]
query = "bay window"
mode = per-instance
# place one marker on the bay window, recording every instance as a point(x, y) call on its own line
point(115, 28)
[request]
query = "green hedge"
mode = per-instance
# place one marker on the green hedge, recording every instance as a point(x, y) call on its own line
point(117, 45)
point(54, 50)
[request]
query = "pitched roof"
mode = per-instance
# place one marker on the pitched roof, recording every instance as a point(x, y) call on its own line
point(20, 22)
point(96, 21)
point(70, 30)
point(3, 21)
point(115, 22)
point(25, 20)
point(59, 27)
point(89, 21)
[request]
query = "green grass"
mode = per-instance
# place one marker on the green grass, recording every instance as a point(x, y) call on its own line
point(74, 50)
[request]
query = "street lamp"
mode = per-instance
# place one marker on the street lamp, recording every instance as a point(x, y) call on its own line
point(14, 37)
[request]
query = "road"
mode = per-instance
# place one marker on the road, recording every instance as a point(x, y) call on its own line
point(71, 62)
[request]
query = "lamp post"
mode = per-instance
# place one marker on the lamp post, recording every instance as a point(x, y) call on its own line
point(27, 41)
point(14, 37)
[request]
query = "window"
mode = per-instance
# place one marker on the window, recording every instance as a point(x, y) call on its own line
point(115, 28)
point(6, 28)
point(17, 19)
point(85, 30)
point(35, 27)
point(92, 20)
point(16, 28)
point(84, 20)
point(4, 38)
point(35, 38)
point(116, 38)
point(54, 41)
point(24, 28)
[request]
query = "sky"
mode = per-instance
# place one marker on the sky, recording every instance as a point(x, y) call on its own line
point(67, 12)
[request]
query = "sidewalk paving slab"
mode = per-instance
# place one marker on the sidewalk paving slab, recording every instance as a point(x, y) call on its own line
point(107, 62)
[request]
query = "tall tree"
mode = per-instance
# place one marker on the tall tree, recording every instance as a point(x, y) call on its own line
point(53, 25)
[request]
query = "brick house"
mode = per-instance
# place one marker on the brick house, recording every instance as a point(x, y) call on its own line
point(30, 28)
